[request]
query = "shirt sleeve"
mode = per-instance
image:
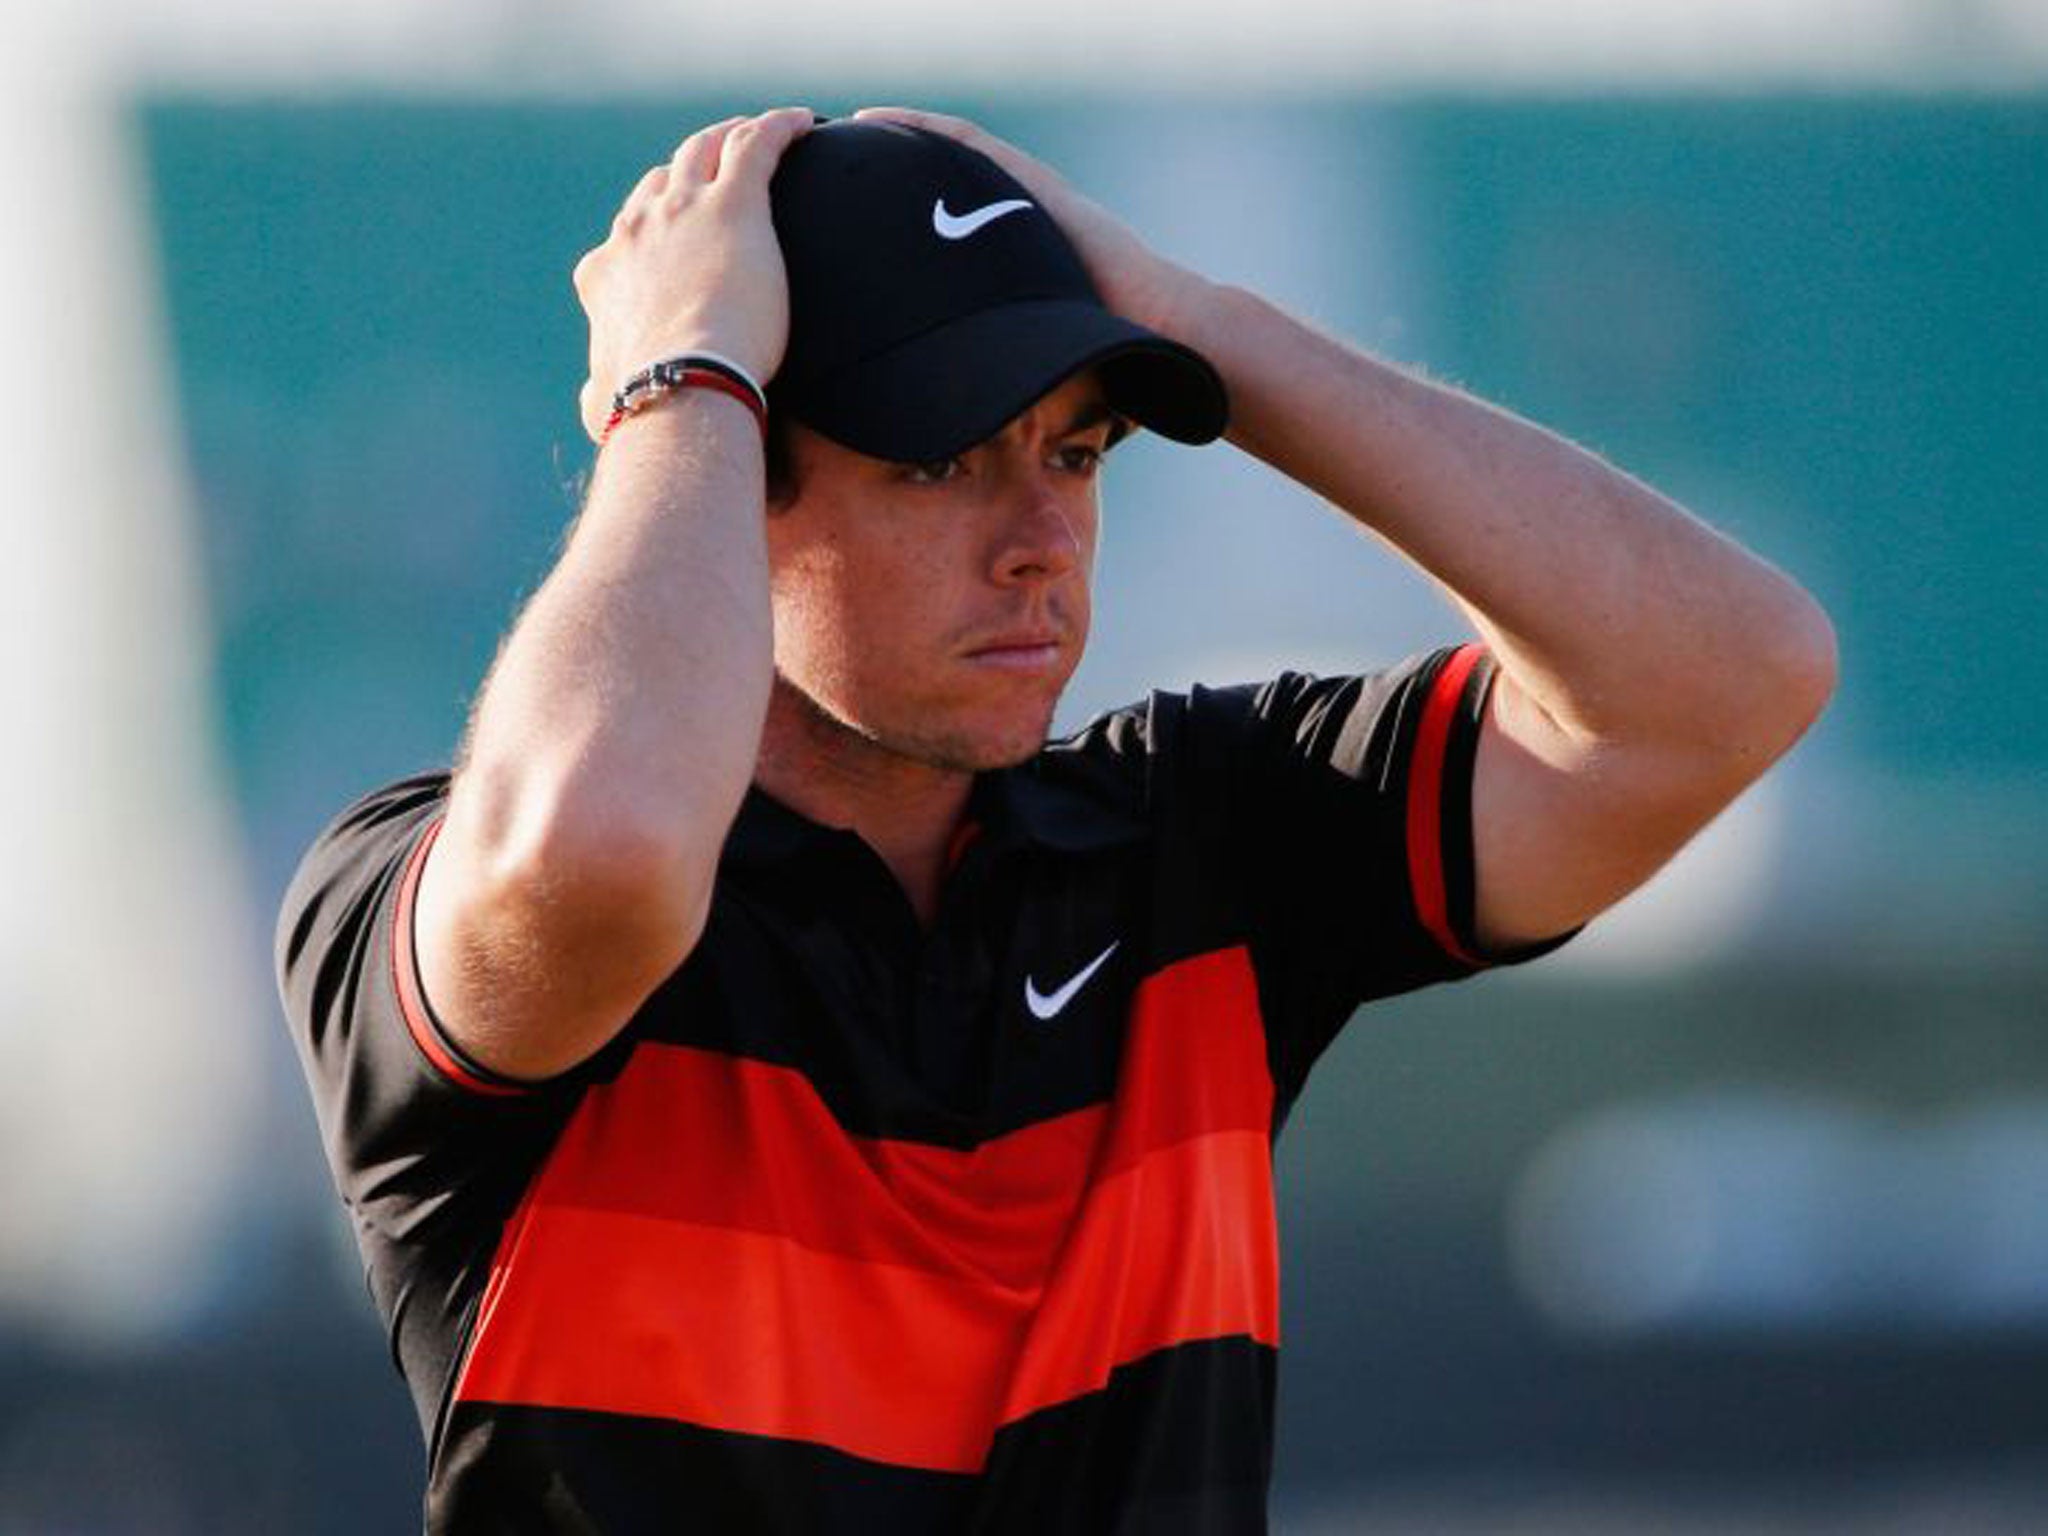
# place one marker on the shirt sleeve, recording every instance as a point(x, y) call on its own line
point(429, 1150)
point(1341, 810)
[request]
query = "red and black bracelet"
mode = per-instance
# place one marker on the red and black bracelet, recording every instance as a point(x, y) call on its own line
point(689, 370)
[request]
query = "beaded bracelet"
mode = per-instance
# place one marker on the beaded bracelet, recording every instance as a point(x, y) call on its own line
point(690, 370)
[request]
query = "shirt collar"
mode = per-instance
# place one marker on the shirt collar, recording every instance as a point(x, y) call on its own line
point(1049, 802)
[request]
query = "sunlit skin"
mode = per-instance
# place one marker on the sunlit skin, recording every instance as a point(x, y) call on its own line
point(928, 616)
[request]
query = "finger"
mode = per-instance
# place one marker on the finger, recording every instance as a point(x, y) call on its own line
point(645, 190)
point(753, 149)
point(936, 122)
point(959, 129)
point(696, 158)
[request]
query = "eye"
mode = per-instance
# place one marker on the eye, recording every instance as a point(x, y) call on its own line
point(1080, 458)
point(934, 471)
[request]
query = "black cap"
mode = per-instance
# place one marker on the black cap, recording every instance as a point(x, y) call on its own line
point(932, 300)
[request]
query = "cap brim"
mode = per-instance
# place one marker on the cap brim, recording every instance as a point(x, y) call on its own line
point(942, 392)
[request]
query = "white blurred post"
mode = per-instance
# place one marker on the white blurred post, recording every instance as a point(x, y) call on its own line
point(129, 1007)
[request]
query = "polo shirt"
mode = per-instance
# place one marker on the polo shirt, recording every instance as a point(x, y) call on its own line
point(862, 1225)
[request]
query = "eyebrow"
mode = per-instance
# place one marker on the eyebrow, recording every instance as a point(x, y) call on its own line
point(1094, 414)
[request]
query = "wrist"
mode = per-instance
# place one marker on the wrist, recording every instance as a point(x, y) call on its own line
point(686, 421)
point(712, 372)
point(1179, 304)
point(736, 342)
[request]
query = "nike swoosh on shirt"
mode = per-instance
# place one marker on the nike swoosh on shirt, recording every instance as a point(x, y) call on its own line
point(1044, 1005)
point(958, 226)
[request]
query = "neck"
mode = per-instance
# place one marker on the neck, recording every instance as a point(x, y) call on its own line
point(905, 809)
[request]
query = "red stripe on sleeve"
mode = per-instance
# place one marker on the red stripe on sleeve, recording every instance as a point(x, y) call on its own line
point(1425, 800)
point(412, 1001)
point(708, 1245)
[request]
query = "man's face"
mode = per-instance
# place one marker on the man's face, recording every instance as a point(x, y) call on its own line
point(937, 610)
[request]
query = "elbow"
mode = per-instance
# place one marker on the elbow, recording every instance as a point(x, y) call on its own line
point(597, 874)
point(631, 881)
point(634, 875)
point(1790, 670)
point(1807, 666)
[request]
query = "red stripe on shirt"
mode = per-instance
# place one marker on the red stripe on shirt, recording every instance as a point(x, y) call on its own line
point(412, 1002)
point(707, 1245)
point(1425, 800)
point(693, 1136)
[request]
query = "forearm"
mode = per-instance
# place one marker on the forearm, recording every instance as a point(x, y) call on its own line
point(1619, 615)
point(618, 729)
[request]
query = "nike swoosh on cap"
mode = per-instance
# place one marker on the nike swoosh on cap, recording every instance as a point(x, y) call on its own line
point(1044, 1005)
point(958, 226)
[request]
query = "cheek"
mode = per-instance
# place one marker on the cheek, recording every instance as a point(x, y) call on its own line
point(839, 610)
point(804, 588)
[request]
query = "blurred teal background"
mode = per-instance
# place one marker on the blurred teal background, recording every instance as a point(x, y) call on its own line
point(1741, 1208)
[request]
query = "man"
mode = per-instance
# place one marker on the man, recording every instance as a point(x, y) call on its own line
point(775, 1090)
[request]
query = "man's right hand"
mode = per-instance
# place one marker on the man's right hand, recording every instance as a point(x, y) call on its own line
point(692, 263)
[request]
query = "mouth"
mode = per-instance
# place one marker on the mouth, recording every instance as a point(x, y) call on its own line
point(1029, 650)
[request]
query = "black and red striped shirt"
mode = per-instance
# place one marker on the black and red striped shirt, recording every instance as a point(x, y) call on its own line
point(864, 1226)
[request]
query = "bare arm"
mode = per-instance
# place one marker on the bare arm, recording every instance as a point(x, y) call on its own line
point(1650, 668)
point(616, 735)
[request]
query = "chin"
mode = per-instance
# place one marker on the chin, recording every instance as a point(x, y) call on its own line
point(985, 754)
point(1004, 744)
point(1027, 739)
point(1016, 757)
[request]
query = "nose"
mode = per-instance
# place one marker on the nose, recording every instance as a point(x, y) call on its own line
point(1041, 536)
